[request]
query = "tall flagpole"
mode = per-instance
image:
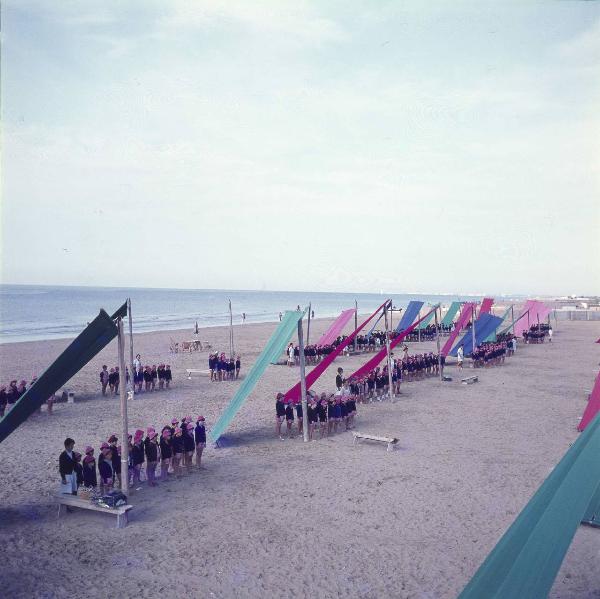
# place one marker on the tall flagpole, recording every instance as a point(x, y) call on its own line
point(124, 424)
point(231, 348)
point(355, 322)
point(437, 341)
point(305, 423)
point(131, 370)
point(473, 329)
point(387, 345)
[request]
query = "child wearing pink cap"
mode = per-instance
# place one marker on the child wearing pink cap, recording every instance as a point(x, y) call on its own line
point(177, 443)
point(151, 450)
point(89, 468)
point(189, 445)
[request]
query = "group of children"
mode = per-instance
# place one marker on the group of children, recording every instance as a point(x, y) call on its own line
point(145, 378)
point(173, 449)
point(491, 353)
point(313, 354)
point(328, 414)
point(222, 368)
point(10, 394)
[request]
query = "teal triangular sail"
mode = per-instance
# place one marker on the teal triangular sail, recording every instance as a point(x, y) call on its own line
point(492, 335)
point(90, 341)
point(527, 558)
point(272, 351)
point(452, 312)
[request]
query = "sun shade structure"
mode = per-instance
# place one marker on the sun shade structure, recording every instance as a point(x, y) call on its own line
point(273, 349)
point(311, 378)
point(381, 354)
point(452, 312)
point(463, 319)
point(486, 305)
point(527, 558)
point(337, 326)
point(484, 325)
point(95, 337)
point(425, 322)
point(593, 405)
point(412, 312)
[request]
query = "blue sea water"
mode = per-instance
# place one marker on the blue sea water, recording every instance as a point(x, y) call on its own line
point(35, 312)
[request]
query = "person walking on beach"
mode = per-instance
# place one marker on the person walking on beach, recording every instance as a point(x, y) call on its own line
point(243, 317)
point(66, 468)
point(290, 352)
point(280, 315)
point(550, 335)
point(460, 354)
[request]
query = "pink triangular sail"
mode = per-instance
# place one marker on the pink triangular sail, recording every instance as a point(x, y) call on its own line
point(592, 407)
point(465, 314)
point(486, 305)
point(337, 326)
point(321, 367)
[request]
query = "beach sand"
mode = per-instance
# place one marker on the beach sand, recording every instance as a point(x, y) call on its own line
point(271, 518)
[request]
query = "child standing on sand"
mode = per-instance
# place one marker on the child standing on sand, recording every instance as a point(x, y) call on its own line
point(279, 414)
point(166, 452)
point(151, 451)
point(200, 439)
point(460, 357)
point(89, 468)
point(106, 471)
point(289, 416)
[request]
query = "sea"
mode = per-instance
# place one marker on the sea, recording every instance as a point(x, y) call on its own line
point(37, 312)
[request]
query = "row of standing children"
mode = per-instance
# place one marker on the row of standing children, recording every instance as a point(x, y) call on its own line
point(222, 368)
point(327, 413)
point(173, 449)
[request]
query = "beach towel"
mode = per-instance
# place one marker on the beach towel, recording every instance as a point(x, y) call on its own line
point(295, 392)
point(273, 349)
point(527, 558)
point(465, 315)
point(411, 312)
point(593, 405)
point(97, 335)
point(337, 326)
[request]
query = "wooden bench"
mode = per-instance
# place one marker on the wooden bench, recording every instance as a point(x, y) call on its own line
point(391, 441)
point(191, 371)
point(63, 500)
point(470, 380)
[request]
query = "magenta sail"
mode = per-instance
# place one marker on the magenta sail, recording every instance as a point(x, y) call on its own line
point(337, 326)
point(486, 305)
point(592, 407)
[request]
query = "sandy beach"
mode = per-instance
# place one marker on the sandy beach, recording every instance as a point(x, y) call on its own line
point(271, 518)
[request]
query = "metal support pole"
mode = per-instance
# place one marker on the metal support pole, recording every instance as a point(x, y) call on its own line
point(131, 370)
point(303, 382)
point(355, 323)
point(308, 325)
point(437, 341)
point(389, 357)
point(473, 329)
point(512, 313)
point(124, 424)
point(231, 348)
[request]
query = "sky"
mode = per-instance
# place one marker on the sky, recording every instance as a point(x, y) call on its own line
point(329, 146)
